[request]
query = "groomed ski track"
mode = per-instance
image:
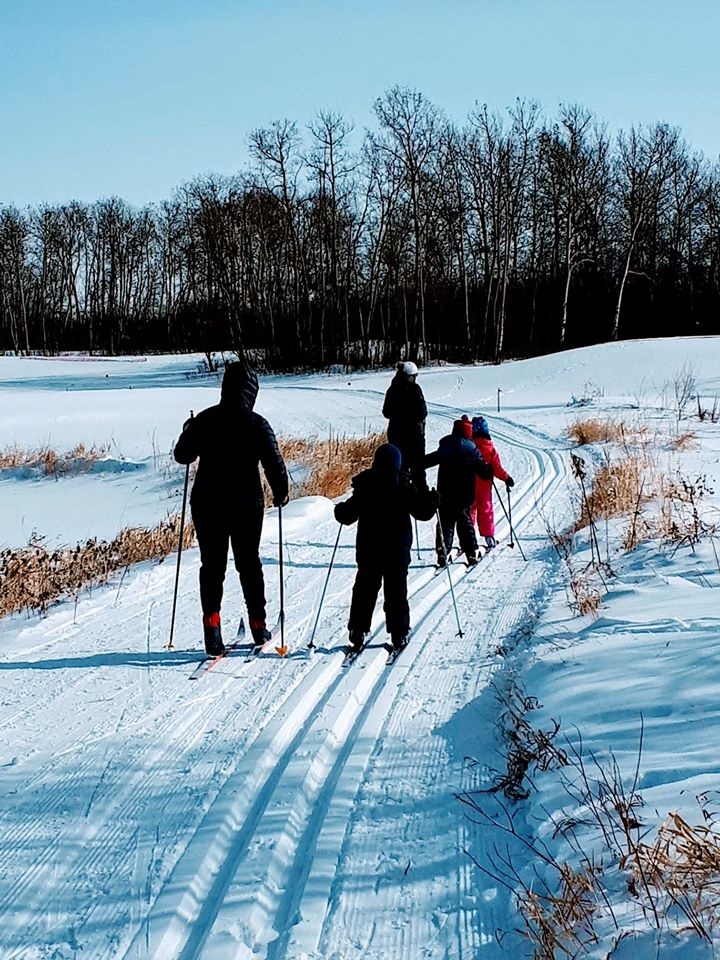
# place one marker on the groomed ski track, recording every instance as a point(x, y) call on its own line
point(274, 808)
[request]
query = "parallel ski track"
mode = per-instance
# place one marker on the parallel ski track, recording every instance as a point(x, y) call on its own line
point(204, 908)
point(397, 924)
point(287, 702)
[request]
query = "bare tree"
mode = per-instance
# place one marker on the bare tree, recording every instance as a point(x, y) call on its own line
point(644, 165)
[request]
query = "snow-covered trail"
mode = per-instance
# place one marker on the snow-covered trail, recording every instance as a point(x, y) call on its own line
point(267, 809)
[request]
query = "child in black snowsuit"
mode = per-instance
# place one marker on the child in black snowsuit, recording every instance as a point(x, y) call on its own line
point(383, 500)
point(460, 462)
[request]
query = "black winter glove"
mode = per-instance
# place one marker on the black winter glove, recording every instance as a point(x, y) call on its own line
point(509, 482)
point(281, 501)
point(487, 472)
point(341, 513)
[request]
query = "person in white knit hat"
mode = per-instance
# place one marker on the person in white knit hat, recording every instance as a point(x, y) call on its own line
point(406, 411)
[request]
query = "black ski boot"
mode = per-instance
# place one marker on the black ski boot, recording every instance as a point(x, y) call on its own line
point(260, 633)
point(399, 641)
point(356, 640)
point(214, 646)
point(471, 560)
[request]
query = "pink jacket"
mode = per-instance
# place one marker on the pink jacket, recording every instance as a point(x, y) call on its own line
point(483, 506)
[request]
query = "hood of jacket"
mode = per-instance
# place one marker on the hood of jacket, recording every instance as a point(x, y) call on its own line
point(239, 386)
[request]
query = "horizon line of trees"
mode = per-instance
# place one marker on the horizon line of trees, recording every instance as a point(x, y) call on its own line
point(510, 235)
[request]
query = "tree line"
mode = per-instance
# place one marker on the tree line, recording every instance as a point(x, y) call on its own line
point(513, 234)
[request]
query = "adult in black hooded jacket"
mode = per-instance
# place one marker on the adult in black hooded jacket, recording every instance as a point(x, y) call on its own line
point(382, 501)
point(227, 498)
point(406, 411)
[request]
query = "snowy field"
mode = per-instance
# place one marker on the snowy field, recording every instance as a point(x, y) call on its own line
point(292, 808)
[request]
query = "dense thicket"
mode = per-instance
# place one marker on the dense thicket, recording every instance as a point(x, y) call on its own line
point(512, 235)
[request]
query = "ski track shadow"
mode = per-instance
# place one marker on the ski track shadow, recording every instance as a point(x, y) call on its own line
point(123, 658)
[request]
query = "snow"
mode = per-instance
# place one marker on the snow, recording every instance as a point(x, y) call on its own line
point(293, 808)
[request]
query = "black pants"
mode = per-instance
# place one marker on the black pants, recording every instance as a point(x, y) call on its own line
point(393, 577)
point(217, 526)
point(454, 515)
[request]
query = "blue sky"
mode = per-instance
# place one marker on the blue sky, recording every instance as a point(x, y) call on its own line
point(133, 97)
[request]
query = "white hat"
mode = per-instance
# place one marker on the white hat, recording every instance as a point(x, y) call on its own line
point(408, 368)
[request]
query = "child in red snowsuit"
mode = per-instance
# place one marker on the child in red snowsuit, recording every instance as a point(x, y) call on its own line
point(482, 508)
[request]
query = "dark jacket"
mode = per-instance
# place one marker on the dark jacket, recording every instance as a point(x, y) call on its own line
point(406, 410)
point(383, 500)
point(231, 441)
point(460, 462)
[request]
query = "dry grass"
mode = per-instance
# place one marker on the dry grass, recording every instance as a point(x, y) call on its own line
point(49, 462)
point(616, 489)
point(682, 868)
point(594, 430)
point(33, 577)
point(583, 586)
point(683, 441)
point(673, 881)
point(560, 924)
point(329, 464)
point(587, 596)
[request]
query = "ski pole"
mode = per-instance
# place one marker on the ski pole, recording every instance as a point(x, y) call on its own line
point(417, 538)
point(282, 649)
point(447, 567)
point(311, 645)
point(180, 544)
point(513, 539)
point(512, 532)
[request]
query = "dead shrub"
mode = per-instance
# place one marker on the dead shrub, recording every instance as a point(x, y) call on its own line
point(681, 518)
point(709, 413)
point(560, 924)
point(528, 750)
point(684, 388)
point(673, 880)
point(583, 586)
point(616, 489)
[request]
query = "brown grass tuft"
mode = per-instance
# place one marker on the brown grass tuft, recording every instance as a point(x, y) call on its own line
point(329, 464)
point(560, 924)
point(587, 597)
point(617, 489)
point(682, 868)
point(593, 430)
point(49, 462)
point(683, 441)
